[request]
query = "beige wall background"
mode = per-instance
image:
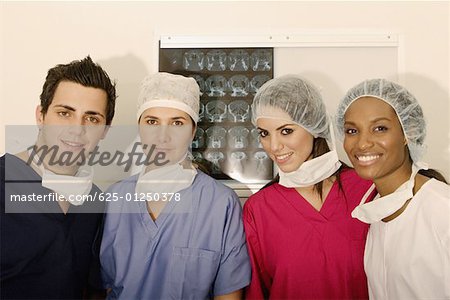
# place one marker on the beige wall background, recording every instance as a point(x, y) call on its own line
point(121, 36)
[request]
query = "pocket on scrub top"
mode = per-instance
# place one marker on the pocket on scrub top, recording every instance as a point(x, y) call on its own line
point(192, 272)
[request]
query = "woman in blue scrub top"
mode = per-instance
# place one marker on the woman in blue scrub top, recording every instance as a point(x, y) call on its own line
point(175, 233)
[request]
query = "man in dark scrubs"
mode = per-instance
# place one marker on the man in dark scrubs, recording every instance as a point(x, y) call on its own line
point(48, 228)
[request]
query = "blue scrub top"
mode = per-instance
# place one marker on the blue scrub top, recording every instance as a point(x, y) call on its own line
point(194, 250)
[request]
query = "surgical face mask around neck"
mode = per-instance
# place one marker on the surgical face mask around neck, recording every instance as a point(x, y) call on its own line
point(167, 179)
point(72, 188)
point(382, 207)
point(314, 170)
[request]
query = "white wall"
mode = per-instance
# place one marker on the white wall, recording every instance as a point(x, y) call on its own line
point(121, 37)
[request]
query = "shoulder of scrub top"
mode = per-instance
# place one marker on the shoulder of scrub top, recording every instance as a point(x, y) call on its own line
point(213, 186)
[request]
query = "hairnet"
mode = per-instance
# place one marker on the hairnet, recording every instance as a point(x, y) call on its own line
point(404, 104)
point(169, 90)
point(298, 98)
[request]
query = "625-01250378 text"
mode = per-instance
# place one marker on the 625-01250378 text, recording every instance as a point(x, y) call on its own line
point(165, 197)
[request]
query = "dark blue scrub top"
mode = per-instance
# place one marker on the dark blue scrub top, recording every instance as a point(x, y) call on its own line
point(44, 255)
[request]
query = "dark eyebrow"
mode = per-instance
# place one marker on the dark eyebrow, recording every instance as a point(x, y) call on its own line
point(150, 117)
point(282, 126)
point(89, 112)
point(279, 128)
point(94, 113)
point(380, 119)
point(65, 106)
point(157, 118)
point(178, 118)
point(349, 123)
point(370, 121)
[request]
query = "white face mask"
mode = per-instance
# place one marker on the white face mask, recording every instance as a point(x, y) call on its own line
point(314, 170)
point(167, 179)
point(382, 207)
point(71, 187)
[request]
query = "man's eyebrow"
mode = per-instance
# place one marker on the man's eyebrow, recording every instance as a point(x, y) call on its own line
point(89, 112)
point(94, 113)
point(65, 106)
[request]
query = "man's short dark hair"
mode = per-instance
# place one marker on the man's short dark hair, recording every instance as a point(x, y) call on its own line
point(84, 72)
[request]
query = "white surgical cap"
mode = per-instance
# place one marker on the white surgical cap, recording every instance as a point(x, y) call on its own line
point(298, 98)
point(404, 104)
point(169, 90)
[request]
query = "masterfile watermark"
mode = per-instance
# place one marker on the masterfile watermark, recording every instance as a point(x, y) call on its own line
point(118, 156)
point(95, 157)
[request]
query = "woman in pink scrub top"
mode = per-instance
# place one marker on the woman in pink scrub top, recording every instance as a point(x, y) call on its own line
point(302, 240)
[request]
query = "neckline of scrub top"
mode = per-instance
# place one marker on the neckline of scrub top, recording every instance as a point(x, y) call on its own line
point(305, 208)
point(53, 210)
point(153, 227)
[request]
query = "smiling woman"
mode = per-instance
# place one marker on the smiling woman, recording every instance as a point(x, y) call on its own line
point(408, 245)
point(287, 143)
point(302, 240)
point(376, 144)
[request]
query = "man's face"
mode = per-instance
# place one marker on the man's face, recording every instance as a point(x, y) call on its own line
point(75, 122)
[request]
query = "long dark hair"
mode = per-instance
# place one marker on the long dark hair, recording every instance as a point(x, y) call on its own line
point(320, 147)
point(431, 173)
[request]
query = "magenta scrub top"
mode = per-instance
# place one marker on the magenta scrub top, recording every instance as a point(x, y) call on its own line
point(298, 252)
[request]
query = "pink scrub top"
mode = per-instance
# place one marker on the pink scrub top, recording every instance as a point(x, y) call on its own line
point(298, 252)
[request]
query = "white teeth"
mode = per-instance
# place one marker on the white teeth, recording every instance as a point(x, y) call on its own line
point(281, 157)
point(367, 157)
point(73, 144)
